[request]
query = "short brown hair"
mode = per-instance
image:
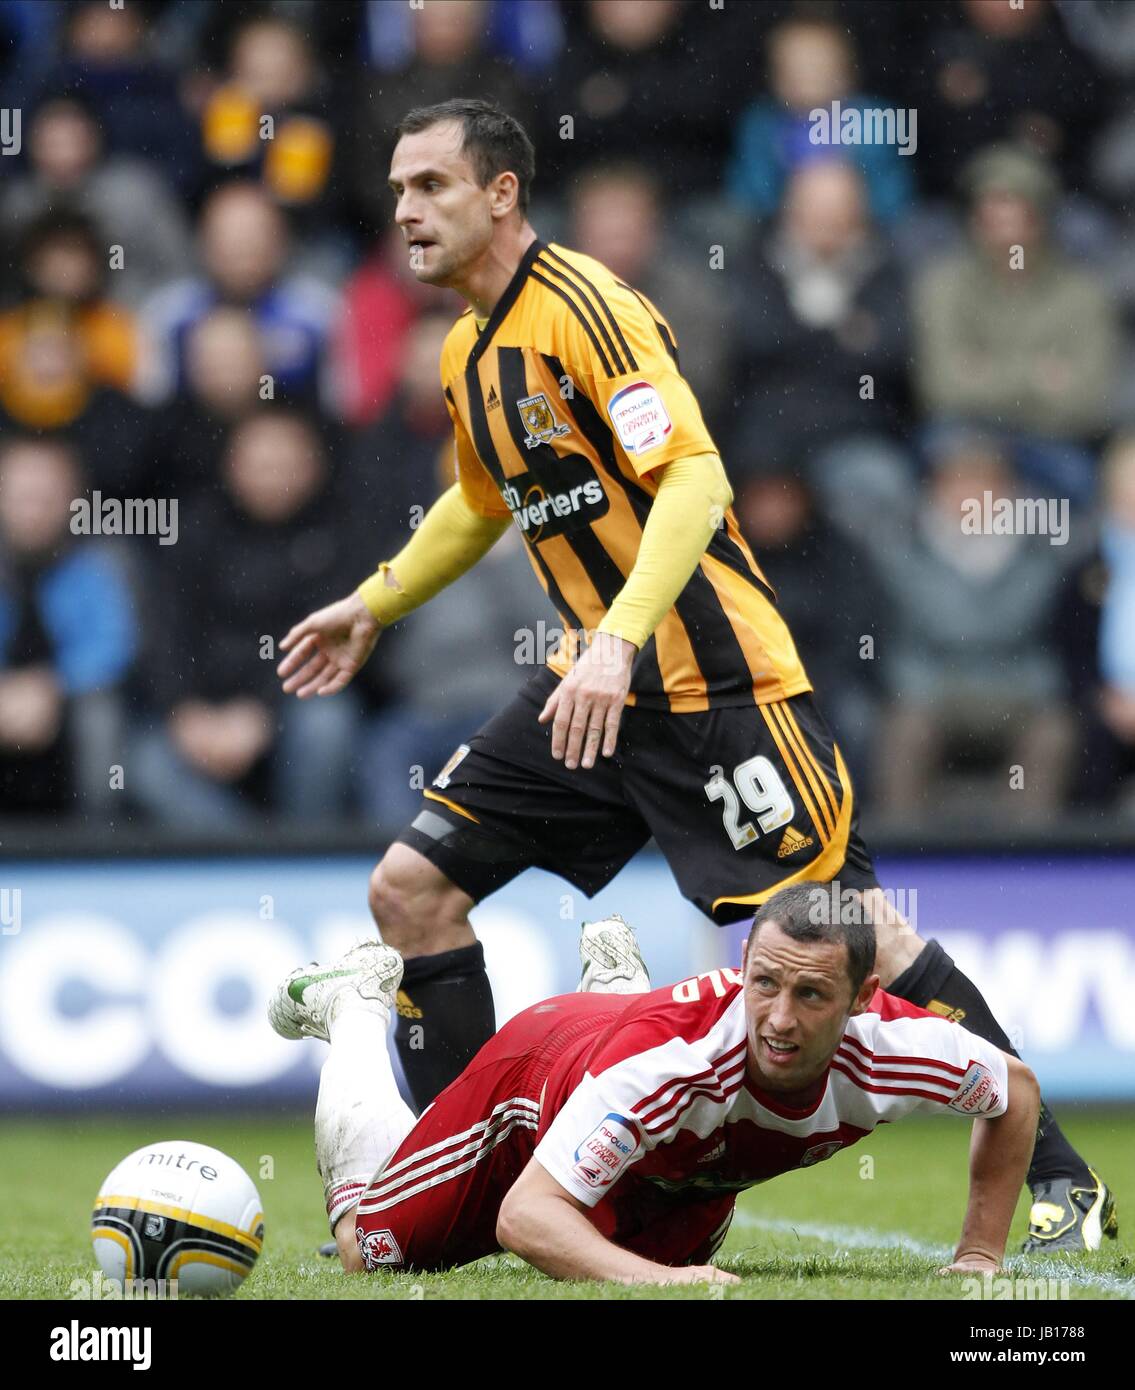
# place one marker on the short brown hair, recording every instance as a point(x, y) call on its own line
point(494, 141)
point(803, 912)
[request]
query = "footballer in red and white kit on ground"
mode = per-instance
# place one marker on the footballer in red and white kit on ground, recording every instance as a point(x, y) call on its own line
point(642, 1109)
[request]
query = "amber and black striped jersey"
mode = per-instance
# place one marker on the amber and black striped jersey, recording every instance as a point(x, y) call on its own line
point(563, 406)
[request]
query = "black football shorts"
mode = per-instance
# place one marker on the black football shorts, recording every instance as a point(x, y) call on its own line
point(742, 801)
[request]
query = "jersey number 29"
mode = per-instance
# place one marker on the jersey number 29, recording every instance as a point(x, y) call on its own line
point(758, 784)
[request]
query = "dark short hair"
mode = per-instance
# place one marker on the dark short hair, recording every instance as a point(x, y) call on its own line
point(494, 141)
point(61, 223)
point(803, 912)
point(58, 224)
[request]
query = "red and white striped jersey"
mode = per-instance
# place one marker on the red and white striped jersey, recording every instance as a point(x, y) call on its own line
point(659, 1101)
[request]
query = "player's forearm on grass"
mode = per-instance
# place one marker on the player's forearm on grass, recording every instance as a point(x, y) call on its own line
point(1000, 1153)
point(693, 494)
point(557, 1238)
point(450, 541)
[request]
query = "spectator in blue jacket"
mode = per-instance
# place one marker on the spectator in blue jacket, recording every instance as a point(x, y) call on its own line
point(107, 56)
point(811, 65)
point(67, 638)
point(244, 249)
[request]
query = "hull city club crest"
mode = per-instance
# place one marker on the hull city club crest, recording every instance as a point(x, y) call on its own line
point(539, 422)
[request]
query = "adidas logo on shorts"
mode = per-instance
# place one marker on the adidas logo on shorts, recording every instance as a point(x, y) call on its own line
point(791, 841)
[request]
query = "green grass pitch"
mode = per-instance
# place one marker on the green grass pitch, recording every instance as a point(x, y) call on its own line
point(870, 1223)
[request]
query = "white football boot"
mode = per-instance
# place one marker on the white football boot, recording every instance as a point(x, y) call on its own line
point(612, 962)
point(303, 1003)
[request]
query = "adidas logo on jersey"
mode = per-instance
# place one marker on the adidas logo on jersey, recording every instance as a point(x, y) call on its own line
point(791, 841)
point(494, 400)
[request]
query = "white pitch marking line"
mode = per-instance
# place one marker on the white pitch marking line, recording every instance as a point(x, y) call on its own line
point(857, 1238)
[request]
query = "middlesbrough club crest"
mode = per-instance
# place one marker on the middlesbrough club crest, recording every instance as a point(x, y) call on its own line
point(817, 1153)
point(378, 1248)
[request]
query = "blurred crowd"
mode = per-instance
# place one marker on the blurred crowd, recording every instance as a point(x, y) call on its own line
point(206, 302)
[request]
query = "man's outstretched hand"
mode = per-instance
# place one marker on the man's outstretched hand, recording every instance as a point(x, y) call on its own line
point(328, 648)
point(587, 705)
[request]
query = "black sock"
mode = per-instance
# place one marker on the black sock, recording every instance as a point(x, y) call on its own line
point(934, 982)
point(445, 1016)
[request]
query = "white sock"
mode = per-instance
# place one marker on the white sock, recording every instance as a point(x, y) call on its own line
point(360, 1119)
